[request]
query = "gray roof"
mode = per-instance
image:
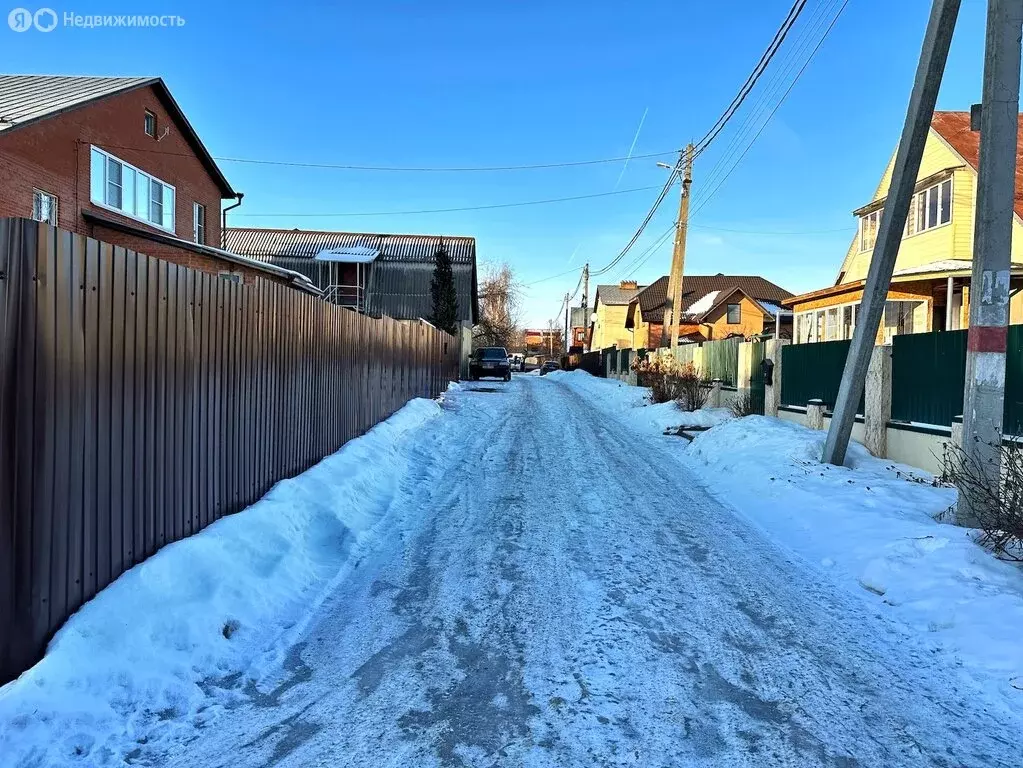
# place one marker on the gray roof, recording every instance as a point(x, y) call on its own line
point(580, 316)
point(398, 280)
point(616, 295)
point(270, 244)
point(26, 99)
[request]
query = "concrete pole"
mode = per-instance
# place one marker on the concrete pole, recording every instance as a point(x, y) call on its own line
point(673, 302)
point(984, 397)
point(564, 339)
point(878, 402)
point(929, 72)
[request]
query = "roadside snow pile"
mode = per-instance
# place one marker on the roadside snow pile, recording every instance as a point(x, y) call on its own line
point(634, 403)
point(870, 525)
point(146, 657)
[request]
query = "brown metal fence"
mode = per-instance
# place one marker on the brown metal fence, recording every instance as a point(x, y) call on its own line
point(141, 400)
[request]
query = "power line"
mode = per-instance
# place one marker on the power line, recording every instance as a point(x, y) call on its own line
point(751, 81)
point(705, 200)
point(406, 169)
point(448, 210)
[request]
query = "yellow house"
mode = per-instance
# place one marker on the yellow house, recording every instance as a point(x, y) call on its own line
point(610, 309)
point(713, 307)
point(931, 283)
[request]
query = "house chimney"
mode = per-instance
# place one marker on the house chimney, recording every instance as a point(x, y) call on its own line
point(975, 110)
point(629, 285)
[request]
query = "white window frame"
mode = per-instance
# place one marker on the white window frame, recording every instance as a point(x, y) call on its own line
point(914, 203)
point(55, 209)
point(139, 172)
point(818, 321)
point(232, 277)
point(145, 120)
point(196, 208)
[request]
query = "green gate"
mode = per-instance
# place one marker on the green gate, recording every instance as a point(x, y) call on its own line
point(756, 379)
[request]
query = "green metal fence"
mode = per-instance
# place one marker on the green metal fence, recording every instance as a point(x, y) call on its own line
point(1014, 381)
point(928, 374)
point(721, 360)
point(813, 372)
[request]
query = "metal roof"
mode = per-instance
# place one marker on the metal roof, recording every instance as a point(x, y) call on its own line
point(398, 280)
point(26, 99)
point(268, 244)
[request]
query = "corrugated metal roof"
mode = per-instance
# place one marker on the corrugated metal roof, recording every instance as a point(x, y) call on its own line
point(24, 98)
point(268, 244)
point(398, 280)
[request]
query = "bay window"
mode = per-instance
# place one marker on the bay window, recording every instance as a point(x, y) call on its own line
point(118, 185)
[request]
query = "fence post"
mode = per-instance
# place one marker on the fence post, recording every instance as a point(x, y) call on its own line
point(815, 414)
point(744, 372)
point(957, 431)
point(698, 358)
point(714, 400)
point(772, 391)
point(878, 405)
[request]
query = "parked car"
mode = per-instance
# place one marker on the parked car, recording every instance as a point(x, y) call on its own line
point(489, 361)
point(549, 366)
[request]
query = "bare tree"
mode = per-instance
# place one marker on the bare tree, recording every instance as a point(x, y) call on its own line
point(500, 307)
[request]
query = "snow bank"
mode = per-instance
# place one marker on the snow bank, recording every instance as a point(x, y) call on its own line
point(870, 525)
point(144, 657)
point(633, 403)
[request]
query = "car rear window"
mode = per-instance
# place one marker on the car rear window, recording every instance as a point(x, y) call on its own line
point(494, 353)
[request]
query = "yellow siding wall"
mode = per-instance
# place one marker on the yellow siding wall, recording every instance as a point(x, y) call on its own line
point(641, 333)
point(944, 242)
point(610, 327)
point(751, 320)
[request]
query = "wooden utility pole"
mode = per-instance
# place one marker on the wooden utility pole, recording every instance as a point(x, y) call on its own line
point(930, 70)
point(984, 396)
point(673, 301)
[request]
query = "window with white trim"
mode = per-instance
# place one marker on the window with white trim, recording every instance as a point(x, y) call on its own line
point(128, 190)
point(150, 123)
point(869, 225)
point(232, 277)
point(44, 207)
point(930, 208)
point(199, 223)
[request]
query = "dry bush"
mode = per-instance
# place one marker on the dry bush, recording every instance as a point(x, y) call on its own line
point(742, 406)
point(669, 381)
point(998, 506)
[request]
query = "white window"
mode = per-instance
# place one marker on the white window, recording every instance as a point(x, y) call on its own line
point(930, 208)
point(869, 224)
point(150, 123)
point(124, 188)
point(199, 223)
point(233, 277)
point(44, 207)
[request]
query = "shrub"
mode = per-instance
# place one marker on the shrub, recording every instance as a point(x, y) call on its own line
point(690, 388)
point(742, 406)
point(997, 507)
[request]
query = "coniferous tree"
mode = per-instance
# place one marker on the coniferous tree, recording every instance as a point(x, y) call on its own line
point(442, 291)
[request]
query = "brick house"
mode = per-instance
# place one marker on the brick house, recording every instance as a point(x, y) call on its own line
point(115, 159)
point(713, 307)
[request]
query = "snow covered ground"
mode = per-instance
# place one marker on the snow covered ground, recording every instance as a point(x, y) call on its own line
point(135, 663)
point(532, 574)
point(870, 526)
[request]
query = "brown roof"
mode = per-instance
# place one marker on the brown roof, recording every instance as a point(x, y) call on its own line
point(695, 287)
point(954, 127)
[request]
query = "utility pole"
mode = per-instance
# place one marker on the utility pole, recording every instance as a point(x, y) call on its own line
point(564, 339)
point(929, 72)
point(984, 396)
point(673, 302)
point(586, 298)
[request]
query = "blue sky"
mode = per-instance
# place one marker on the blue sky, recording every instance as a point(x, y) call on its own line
point(449, 82)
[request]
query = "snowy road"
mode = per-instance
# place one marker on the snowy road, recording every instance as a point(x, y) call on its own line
point(557, 589)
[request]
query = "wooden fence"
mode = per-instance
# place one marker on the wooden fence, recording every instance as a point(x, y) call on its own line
point(140, 401)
